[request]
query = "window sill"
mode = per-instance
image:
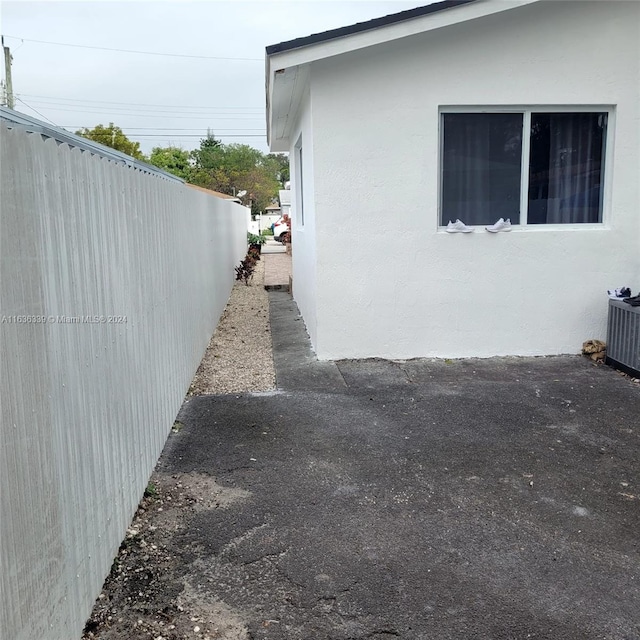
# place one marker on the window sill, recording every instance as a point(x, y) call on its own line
point(534, 228)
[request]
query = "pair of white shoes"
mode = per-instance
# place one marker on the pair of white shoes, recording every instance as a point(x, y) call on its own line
point(460, 227)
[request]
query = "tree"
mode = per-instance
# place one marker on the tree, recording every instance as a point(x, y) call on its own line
point(174, 160)
point(262, 188)
point(280, 164)
point(206, 160)
point(234, 168)
point(210, 141)
point(113, 137)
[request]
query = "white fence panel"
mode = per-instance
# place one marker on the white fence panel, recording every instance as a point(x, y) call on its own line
point(87, 405)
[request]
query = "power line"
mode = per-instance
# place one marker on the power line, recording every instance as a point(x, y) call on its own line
point(163, 115)
point(198, 135)
point(134, 129)
point(180, 132)
point(32, 109)
point(146, 53)
point(94, 108)
point(167, 136)
point(136, 104)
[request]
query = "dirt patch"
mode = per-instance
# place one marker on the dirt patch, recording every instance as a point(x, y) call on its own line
point(222, 621)
point(147, 594)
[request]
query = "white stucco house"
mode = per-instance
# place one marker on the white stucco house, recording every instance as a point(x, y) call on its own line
point(472, 110)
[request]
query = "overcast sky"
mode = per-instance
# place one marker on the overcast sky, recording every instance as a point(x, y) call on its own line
point(161, 100)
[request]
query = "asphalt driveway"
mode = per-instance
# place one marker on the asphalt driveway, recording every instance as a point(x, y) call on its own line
point(435, 500)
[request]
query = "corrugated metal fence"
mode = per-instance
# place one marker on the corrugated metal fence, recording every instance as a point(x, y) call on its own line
point(112, 282)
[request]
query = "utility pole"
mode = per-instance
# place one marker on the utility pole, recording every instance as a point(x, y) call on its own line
point(7, 75)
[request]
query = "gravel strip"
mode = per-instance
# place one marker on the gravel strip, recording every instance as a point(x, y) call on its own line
point(239, 357)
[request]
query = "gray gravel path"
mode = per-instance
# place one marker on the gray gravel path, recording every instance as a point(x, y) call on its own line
point(239, 357)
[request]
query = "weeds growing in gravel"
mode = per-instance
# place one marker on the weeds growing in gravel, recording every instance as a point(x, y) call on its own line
point(151, 491)
point(246, 269)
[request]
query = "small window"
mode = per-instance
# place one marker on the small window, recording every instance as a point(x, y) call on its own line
point(299, 183)
point(486, 164)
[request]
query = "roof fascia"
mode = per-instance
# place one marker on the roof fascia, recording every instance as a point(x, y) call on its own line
point(286, 92)
point(390, 32)
point(331, 34)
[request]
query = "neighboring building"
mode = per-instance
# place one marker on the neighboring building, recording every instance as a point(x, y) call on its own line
point(470, 109)
point(218, 194)
point(285, 201)
point(272, 210)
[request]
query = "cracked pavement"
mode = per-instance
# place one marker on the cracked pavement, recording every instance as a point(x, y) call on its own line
point(425, 499)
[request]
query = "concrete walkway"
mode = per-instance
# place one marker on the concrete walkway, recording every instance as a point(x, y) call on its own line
point(272, 246)
point(426, 500)
point(277, 269)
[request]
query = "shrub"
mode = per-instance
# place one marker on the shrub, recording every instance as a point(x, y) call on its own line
point(252, 238)
point(246, 269)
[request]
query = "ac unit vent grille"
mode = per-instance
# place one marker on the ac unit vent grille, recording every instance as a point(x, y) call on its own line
point(623, 337)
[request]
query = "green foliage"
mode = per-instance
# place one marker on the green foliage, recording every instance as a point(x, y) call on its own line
point(233, 168)
point(267, 232)
point(209, 156)
point(230, 168)
point(151, 491)
point(210, 141)
point(174, 160)
point(113, 137)
point(252, 238)
point(280, 164)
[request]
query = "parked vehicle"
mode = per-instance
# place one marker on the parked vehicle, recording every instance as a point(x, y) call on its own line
point(280, 227)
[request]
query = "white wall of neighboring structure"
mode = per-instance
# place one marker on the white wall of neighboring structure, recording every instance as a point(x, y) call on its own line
point(391, 283)
point(112, 284)
point(285, 202)
point(305, 236)
point(265, 221)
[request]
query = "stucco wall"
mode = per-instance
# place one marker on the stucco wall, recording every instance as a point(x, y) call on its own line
point(390, 283)
point(304, 238)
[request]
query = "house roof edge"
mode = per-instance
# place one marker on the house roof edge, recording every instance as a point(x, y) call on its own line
point(359, 27)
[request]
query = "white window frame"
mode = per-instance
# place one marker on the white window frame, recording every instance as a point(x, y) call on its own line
point(526, 112)
point(299, 168)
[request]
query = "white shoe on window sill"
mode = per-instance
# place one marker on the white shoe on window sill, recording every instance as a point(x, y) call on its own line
point(458, 227)
point(501, 225)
